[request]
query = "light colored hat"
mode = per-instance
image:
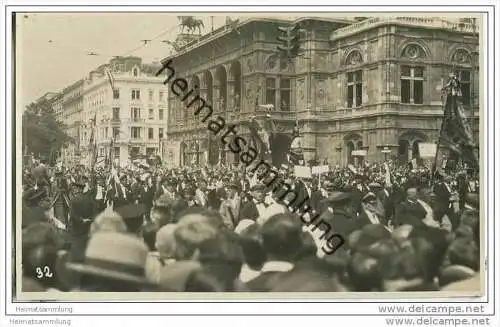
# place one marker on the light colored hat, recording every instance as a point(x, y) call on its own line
point(243, 225)
point(115, 256)
point(108, 221)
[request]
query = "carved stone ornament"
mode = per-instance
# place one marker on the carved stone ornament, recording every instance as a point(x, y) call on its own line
point(413, 51)
point(320, 61)
point(300, 89)
point(250, 64)
point(321, 90)
point(249, 90)
point(271, 62)
point(284, 64)
point(462, 57)
point(354, 58)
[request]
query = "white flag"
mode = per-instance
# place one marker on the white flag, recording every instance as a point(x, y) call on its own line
point(111, 79)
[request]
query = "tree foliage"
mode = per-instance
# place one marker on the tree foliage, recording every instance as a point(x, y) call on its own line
point(43, 135)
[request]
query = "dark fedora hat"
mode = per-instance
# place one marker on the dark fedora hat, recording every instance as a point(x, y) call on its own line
point(338, 196)
point(132, 211)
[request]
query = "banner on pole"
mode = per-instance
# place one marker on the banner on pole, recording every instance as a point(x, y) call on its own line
point(359, 153)
point(316, 170)
point(172, 155)
point(302, 171)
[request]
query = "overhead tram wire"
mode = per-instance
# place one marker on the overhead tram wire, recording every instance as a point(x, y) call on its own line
point(144, 44)
point(96, 53)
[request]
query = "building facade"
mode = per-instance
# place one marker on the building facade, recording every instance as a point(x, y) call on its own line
point(131, 119)
point(72, 108)
point(373, 85)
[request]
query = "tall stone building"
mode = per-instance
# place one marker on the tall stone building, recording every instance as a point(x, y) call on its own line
point(132, 118)
point(372, 85)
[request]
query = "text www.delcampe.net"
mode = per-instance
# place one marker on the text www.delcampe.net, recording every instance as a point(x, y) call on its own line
point(428, 315)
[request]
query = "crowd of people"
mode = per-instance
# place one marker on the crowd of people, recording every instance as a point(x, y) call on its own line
point(222, 229)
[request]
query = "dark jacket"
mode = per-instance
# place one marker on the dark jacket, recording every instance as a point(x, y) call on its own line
point(249, 211)
point(410, 213)
point(340, 220)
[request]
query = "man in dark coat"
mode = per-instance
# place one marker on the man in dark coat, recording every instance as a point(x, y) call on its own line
point(81, 216)
point(252, 209)
point(368, 213)
point(32, 212)
point(410, 211)
point(443, 205)
point(305, 190)
point(338, 213)
point(282, 240)
point(133, 216)
point(145, 195)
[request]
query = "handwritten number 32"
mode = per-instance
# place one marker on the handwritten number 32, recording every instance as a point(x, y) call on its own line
point(43, 272)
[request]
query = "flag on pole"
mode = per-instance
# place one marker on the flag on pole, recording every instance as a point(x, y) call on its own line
point(111, 152)
point(92, 141)
point(111, 78)
point(456, 134)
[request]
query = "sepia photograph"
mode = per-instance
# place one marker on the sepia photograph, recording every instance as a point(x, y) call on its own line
point(239, 153)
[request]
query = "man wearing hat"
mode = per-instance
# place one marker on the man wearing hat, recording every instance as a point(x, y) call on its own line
point(369, 213)
point(118, 193)
point(445, 196)
point(168, 186)
point(410, 211)
point(113, 262)
point(32, 211)
point(257, 206)
point(338, 213)
point(133, 216)
point(81, 217)
point(146, 193)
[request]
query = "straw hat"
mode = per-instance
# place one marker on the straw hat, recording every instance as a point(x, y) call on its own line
point(115, 256)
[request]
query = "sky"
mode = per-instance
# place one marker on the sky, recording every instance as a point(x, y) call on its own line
point(52, 49)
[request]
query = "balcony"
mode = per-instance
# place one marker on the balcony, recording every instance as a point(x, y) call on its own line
point(136, 140)
point(433, 22)
point(136, 120)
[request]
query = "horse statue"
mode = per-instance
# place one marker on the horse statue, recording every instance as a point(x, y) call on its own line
point(192, 24)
